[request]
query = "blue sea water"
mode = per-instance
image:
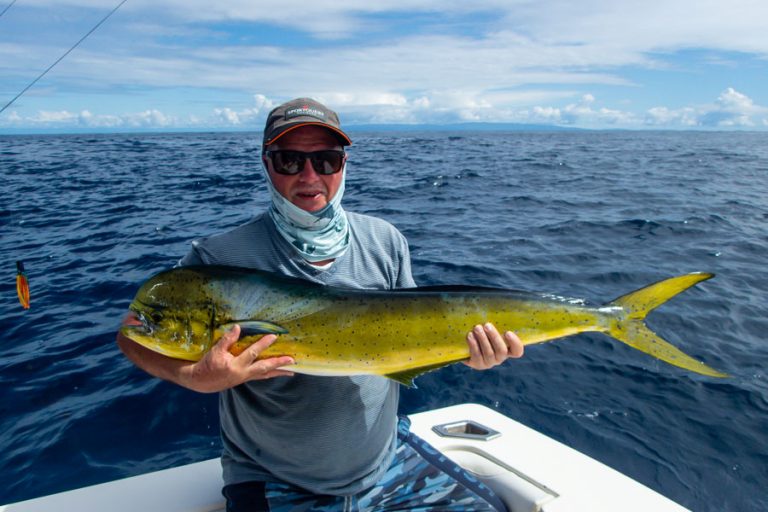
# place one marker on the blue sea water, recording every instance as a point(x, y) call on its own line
point(582, 214)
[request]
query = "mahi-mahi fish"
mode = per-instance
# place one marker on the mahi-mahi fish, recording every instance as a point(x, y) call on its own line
point(398, 334)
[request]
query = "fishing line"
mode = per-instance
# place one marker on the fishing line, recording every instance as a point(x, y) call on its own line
point(9, 6)
point(62, 57)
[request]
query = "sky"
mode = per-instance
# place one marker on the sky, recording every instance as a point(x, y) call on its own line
point(165, 65)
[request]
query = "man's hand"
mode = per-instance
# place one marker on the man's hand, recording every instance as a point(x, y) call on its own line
point(488, 348)
point(219, 369)
point(216, 371)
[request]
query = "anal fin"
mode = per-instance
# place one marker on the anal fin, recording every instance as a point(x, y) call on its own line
point(407, 377)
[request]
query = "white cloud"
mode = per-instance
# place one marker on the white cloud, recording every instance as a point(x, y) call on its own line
point(730, 99)
point(262, 103)
point(363, 99)
point(652, 25)
point(151, 118)
point(583, 113)
point(257, 114)
point(663, 116)
point(546, 115)
point(616, 26)
point(421, 103)
point(86, 118)
point(731, 109)
point(519, 61)
point(49, 117)
point(227, 116)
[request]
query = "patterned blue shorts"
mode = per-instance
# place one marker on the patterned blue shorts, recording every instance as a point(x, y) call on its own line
point(419, 479)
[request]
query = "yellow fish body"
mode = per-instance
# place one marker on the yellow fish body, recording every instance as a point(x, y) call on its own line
point(397, 334)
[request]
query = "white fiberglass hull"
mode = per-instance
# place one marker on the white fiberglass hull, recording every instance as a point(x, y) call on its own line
point(528, 470)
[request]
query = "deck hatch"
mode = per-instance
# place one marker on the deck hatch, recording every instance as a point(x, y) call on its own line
point(466, 429)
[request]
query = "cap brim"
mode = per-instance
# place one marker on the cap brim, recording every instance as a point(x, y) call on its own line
point(346, 141)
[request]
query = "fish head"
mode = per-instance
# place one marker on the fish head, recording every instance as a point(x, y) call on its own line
point(174, 316)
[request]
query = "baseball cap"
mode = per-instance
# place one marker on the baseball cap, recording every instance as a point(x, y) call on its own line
point(302, 112)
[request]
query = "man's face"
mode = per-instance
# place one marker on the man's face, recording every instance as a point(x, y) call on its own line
point(307, 189)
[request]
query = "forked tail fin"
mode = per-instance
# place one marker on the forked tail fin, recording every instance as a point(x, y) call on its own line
point(630, 328)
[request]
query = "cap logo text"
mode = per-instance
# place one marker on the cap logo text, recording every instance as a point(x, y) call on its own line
point(304, 111)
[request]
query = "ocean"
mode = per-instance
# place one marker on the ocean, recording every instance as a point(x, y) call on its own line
point(584, 214)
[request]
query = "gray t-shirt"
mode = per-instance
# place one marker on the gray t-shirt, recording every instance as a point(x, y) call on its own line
point(328, 435)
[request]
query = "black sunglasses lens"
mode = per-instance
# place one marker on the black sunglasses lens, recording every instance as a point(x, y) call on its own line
point(292, 162)
point(287, 162)
point(326, 162)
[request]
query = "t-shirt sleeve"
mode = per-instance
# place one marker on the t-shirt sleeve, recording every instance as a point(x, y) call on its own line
point(192, 257)
point(404, 275)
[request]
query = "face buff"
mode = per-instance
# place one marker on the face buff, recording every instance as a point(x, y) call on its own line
point(317, 236)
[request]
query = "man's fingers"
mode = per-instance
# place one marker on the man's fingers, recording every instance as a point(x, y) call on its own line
point(499, 346)
point(474, 351)
point(267, 368)
point(488, 348)
point(484, 345)
point(252, 352)
point(515, 344)
point(275, 373)
point(492, 345)
point(228, 339)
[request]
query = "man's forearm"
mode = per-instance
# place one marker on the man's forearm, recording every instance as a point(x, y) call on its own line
point(157, 365)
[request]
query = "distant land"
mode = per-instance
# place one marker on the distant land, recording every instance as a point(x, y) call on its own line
point(496, 127)
point(480, 127)
point(353, 128)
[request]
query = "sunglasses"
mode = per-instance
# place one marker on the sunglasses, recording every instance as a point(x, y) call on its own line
point(289, 162)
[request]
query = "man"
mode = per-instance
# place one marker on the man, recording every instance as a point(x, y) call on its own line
point(306, 442)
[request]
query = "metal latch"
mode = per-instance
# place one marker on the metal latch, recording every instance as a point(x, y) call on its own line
point(466, 429)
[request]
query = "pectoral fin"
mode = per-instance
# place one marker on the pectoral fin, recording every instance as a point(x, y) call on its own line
point(256, 327)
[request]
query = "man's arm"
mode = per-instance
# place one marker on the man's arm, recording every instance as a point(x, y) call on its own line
point(216, 371)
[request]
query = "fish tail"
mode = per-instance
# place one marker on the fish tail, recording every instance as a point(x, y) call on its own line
point(630, 328)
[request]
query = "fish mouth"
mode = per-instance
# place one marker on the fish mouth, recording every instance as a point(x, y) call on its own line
point(136, 333)
point(138, 330)
point(148, 314)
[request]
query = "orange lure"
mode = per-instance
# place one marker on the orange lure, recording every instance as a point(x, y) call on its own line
point(22, 285)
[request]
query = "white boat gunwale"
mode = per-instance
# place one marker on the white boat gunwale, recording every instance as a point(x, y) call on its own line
point(528, 470)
